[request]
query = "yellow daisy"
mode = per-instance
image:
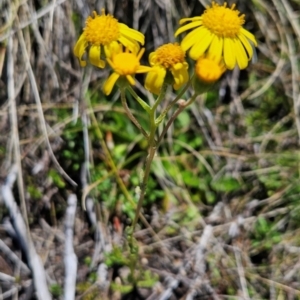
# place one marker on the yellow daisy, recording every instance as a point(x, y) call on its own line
point(167, 58)
point(219, 32)
point(125, 65)
point(207, 71)
point(104, 32)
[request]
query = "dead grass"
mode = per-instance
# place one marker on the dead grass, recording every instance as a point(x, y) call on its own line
point(242, 245)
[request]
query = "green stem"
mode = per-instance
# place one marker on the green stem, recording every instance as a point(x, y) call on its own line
point(143, 104)
point(150, 157)
point(112, 165)
point(131, 116)
point(182, 105)
point(164, 113)
point(152, 150)
point(161, 96)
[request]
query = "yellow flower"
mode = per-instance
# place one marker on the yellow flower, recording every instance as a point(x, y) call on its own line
point(125, 65)
point(104, 32)
point(207, 71)
point(219, 32)
point(168, 57)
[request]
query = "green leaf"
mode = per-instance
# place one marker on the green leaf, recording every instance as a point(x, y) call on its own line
point(226, 184)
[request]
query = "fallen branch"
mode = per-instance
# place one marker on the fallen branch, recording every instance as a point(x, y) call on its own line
point(34, 261)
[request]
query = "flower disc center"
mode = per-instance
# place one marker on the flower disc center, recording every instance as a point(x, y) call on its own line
point(169, 55)
point(223, 21)
point(125, 63)
point(102, 29)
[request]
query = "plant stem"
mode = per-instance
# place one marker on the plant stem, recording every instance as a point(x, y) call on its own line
point(131, 116)
point(164, 113)
point(143, 104)
point(150, 157)
point(182, 105)
point(112, 165)
point(152, 146)
point(151, 154)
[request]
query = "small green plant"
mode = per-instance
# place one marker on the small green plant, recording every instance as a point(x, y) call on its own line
point(56, 290)
point(264, 235)
point(137, 277)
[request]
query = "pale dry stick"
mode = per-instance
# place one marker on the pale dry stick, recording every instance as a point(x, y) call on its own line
point(13, 258)
point(12, 292)
point(220, 229)
point(170, 29)
point(43, 48)
point(2, 56)
point(14, 125)
point(10, 13)
point(278, 285)
point(241, 273)
point(136, 14)
point(52, 14)
point(172, 285)
point(34, 261)
point(70, 258)
point(40, 108)
point(201, 250)
point(87, 201)
point(292, 17)
point(198, 156)
point(86, 123)
point(110, 6)
point(269, 9)
point(294, 65)
point(205, 132)
point(279, 67)
point(295, 80)
point(42, 12)
point(7, 278)
point(268, 136)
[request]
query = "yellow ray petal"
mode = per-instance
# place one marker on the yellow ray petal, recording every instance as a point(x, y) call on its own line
point(143, 69)
point(132, 33)
point(247, 45)
point(241, 55)
point(130, 79)
point(216, 47)
point(248, 35)
point(154, 80)
point(79, 49)
point(94, 57)
point(113, 48)
point(184, 20)
point(132, 45)
point(187, 27)
point(192, 38)
point(109, 83)
point(181, 76)
point(151, 58)
point(229, 53)
point(198, 49)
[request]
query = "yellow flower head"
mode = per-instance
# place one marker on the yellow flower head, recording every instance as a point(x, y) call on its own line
point(104, 32)
point(168, 57)
point(126, 65)
point(207, 71)
point(219, 32)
